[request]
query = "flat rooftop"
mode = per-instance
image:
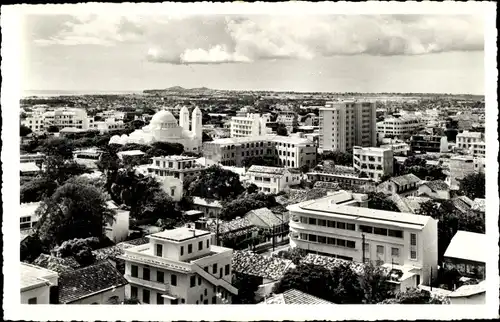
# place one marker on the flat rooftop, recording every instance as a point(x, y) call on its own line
point(180, 234)
point(34, 276)
point(468, 246)
point(174, 158)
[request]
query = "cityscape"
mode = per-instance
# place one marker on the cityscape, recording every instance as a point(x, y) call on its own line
point(266, 160)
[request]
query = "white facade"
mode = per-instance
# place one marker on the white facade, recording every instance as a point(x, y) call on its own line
point(460, 166)
point(400, 127)
point(109, 124)
point(118, 231)
point(164, 128)
point(397, 148)
point(179, 266)
point(28, 218)
point(250, 125)
point(272, 179)
point(478, 149)
point(35, 284)
point(335, 226)
point(66, 117)
point(375, 162)
point(467, 140)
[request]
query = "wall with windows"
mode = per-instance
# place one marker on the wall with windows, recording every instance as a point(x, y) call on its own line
point(39, 295)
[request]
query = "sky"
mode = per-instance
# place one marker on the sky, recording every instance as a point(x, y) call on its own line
point(331, 53)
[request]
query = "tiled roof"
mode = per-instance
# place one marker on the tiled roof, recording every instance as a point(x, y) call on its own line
point(113, 251)
point(136, 242)
point(85, 281)
point(56, 264)
point(230, 226)
point(437, 185)
point(408, 204)
point(294, 296)
point(250, 263)
point(266, 216)
point(462, 204)
point(405, 179)
point(479, 205)
point(330, 263)
point(267, 170)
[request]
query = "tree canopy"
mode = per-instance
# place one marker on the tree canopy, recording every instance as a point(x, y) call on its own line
point(338, 157)
point(37, 189)
point(247, 285)
point(240, 206)
point(281, 130)
point(24, 130)
point(377, 200)
point(215, 183)
point(473, 185)
point(58, 147)
point(414, 296)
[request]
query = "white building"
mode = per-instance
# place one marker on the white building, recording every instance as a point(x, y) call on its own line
point(106, 125)
point(118, 231)
point(249, 125)
point(478, 149)
point(337, 226)
point(345, 124)
point(164, 128)
point(36, 284)
point(172, 170)
point(460, 166)
point(179, 266)
point(400, 127)
point(400, 148)
point(28, 218)
point(375, 162)
point(467, 140)
point(75, 118)
point(289, 119)
point(272, 179)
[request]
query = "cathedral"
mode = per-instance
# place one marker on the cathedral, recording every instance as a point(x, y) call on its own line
point(164, 128)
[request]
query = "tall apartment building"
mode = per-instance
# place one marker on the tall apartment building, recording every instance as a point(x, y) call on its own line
point(401, 127)
point(345, 124)
point(339, 224)
point(375, 162)
point(466, 139)
point(248, 125)
point(290, 151)
point(179, 266)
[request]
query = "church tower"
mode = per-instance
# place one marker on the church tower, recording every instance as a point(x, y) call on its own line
point(196, 126)
point(184, 118)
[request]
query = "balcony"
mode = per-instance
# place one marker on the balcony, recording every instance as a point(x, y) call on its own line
point(163, 287)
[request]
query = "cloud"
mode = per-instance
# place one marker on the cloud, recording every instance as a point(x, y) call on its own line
point(220, 39)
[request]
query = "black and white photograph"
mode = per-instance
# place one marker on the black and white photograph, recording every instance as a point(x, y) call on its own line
point(235, 157)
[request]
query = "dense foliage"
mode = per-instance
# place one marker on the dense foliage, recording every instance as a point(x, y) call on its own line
point(414, 296)
point(338, 157)
point(247, 285)
point(215, 183)
point(377, 200)
point(473, 185)
point(240, 206)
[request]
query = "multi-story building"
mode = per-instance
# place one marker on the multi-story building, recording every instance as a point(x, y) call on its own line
point(173, 170)
point(35, 122)
point(249, 125)
point(339, 174)
point(106, 125)
point(428, 143)
point(68, 118)
point(345, 124)
point(27, 215)
point(289, 119)
point(341, 226)
point(478, 149)
point(466, 139)
point(459, 167)
point(290, 151)
point(374, 162)
point(179, 266)
point(272, 179)
point(398, 148)
point(401, 127)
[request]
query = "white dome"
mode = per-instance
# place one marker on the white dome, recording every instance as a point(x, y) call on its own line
point(163, 116)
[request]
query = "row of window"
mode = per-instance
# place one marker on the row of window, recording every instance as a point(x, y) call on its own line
point(381, 231)
point(327, 223)
point(146, 294)
point(328, 240)
point(146, 275)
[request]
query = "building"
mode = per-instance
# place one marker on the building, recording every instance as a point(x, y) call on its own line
point(248, 125)
point(398, 148)
point(37, 158)
point(428, 143)
point(374, 162)
point(337, 174)
point(436, 189)
point(172, 171)
point(345, 124)
point(467, 252)
point(341, 226)
point(289, 119)
point(405, 185)
point(29, 169)
point(466, 139)
point(273, 225)
point(459, 167)
point(106, 125)
point(233, 233)
point(38, 285)
point(211, 208)
point(399, 127)
point(179, 266)
point(27, 214)
point(289, 151)
point(294, 296)
point(469, 294)
point(478, 149)
point(164, 128)
point(118, 231)
point(272, 179)
point(74, 118)
point(99, 283)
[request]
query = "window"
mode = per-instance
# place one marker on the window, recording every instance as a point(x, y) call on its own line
point(303, 220)
point(159, 250)
point(192, 281)
point(208, 243)
point(395, 252)
point(172, 191)
point(366, 229)
point(205, 292)
point(413, 254)
point(174, 302)
point(380, 249)
point(199, 280)
point(395, 233)
point(351, 226)
point(341, 242)
point(380, 231)
point(350, 244)
point(200, 245)
point(160, 277)
point(312, 238)
point(134, 271)
point(145, 296)
point(145, 274)
point(214, 300)
point(205, 269)
point(322, 239)
point(205, 302)
point(214, 268)
point(322, 222)
point(133, 292)
point(182, 250)
point(340, 225)
point(331, 224)
point(312, 221)
point(227, 269)
point(413, 239)
point(173, 280)
point(303, 236)
point(159, 298)
point(32, 300)
point(190, 248)
point(330, 241)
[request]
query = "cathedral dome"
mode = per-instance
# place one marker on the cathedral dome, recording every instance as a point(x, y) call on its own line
point(163, 117)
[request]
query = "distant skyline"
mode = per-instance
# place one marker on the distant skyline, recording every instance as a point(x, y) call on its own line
point(327, 53)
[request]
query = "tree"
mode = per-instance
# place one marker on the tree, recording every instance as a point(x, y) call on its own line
point(305, 168)
point(377, 200)
point(52, 129)
point(59, 170)
point(252, 188)
point(206, 137)
point(37, 189)
point(216, 183)
point(374, 282)
point(473, 185)
point(240, 206)
point(31, 247)
point(414, 296)
point(157, 206)
point(338, 157)
point(281, 130)
point(58, 147)
point(130, 301)
point(158, 149)
point(247, 285)
point(24, 130)
point(73, 211)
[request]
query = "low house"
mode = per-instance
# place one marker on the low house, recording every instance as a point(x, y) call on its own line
point(211, 208)
point(29, 169)
point(272, 179)
point(463, 204)
point(273, 225)
point(38, 285)
point(467, 253)
point(469, 294)
point(232, 233)
point(294, 296)
point(118, 231)
point(405, 185)
point(100, 283)
point(436, 189)
point(270, 270)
